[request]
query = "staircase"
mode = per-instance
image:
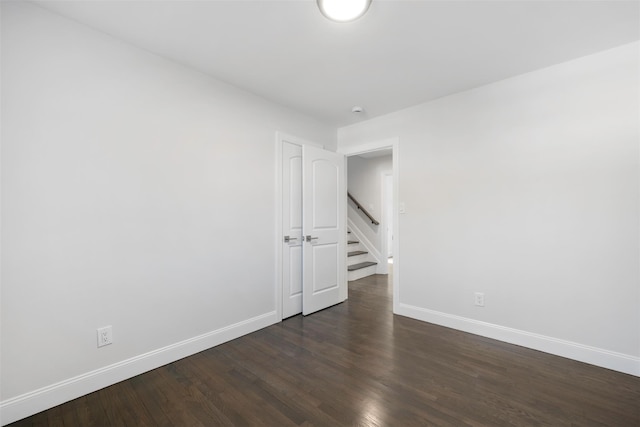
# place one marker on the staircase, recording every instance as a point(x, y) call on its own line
point(359, 261)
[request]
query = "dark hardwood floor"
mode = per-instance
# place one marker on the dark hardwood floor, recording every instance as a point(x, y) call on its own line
point(358, 364)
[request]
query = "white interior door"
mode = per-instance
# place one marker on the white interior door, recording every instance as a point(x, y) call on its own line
point(323, 220)
point(292, 229)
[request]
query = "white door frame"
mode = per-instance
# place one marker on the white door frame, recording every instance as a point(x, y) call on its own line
point(392, 143)
point(385, 214)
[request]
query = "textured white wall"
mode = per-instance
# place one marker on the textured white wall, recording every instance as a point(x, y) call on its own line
point(134, 194)
point(526, 190)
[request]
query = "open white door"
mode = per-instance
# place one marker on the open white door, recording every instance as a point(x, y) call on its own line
point(324, 202)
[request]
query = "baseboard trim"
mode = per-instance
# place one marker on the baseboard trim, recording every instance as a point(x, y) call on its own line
point(583, 353)
point(39, 400)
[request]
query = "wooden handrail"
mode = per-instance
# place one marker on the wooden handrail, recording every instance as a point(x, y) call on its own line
point(364, 211)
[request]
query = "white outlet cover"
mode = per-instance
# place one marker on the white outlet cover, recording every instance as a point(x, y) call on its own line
point(105, 336)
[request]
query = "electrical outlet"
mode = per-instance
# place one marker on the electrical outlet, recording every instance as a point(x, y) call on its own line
point(479, 299)
point(105, 336)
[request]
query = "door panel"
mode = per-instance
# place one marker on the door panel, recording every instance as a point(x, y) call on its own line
point(323, 221)
point(295, 189)
point(292, 227)
point(325, 211)
point(325, 279)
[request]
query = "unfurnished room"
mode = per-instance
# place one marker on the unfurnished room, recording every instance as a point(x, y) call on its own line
point(319, 213)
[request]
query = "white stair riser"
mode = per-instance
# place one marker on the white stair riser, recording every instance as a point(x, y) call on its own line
point(357, 259)
point(363, 272)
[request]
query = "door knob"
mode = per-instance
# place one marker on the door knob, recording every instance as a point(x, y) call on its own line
point(288, 239)
point(309, 238)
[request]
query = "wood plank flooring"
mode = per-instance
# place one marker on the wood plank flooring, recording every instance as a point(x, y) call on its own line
point(356, 364)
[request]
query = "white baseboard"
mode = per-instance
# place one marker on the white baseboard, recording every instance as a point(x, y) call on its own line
point(47, 397)
point(595, 356)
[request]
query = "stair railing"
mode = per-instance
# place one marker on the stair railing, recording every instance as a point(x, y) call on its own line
point(364, 211)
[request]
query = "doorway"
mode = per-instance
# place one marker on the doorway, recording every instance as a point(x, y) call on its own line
point(387, 185)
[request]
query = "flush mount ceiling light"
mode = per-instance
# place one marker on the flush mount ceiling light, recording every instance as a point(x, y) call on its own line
point(343, 10)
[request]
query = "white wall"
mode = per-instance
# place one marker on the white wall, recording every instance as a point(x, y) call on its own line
point(365, 184)
point(135, 192)
point(526, 190)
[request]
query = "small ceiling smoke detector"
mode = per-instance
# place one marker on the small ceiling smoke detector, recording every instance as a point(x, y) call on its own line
point(343, 10)
point(357, 109)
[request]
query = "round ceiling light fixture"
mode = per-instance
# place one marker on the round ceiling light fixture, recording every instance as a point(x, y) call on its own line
point(343, 10)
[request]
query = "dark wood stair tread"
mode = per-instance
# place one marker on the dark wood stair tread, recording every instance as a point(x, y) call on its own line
point(361, 265)
point(354, 253)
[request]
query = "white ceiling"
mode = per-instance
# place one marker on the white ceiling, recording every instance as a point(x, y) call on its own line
point(401, 53)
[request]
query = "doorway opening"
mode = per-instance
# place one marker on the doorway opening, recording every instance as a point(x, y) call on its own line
point(372, 212)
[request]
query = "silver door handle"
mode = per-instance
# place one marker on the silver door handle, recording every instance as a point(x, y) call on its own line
point(288, 239)
point(309, 238)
